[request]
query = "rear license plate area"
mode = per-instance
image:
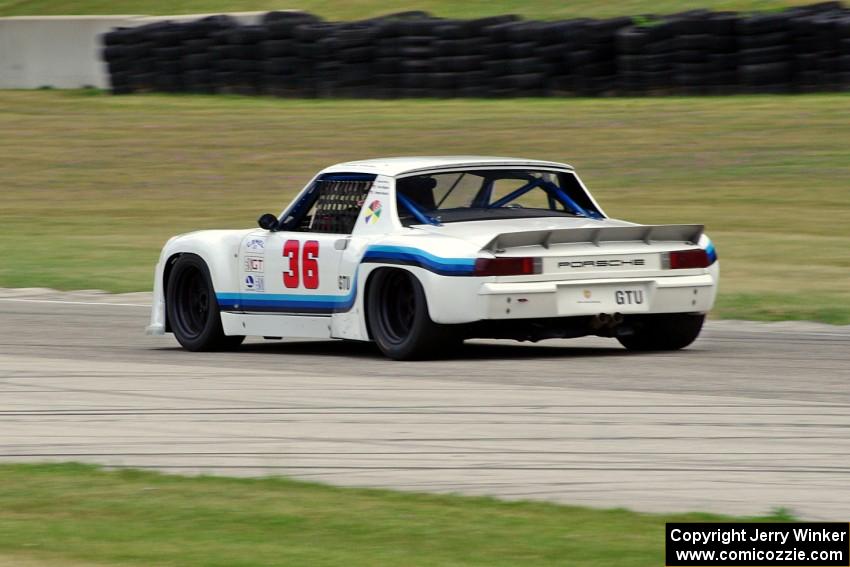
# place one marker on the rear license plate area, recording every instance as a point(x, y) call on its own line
point(604, 298)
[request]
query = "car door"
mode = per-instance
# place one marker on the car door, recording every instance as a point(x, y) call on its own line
point(295, 271)
point(296, 275)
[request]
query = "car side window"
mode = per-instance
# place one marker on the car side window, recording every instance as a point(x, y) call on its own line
point(331, 205)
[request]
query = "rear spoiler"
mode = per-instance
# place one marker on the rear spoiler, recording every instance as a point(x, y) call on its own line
point(686, 233)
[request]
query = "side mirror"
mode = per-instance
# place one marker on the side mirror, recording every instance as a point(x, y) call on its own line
point(268, 222)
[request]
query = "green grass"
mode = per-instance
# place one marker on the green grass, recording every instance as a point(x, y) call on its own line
point(536, 9)
point(93, 184)
point(68, 515)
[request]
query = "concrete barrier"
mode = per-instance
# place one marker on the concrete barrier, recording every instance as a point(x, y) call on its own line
point(60, 51)
point(64, 51)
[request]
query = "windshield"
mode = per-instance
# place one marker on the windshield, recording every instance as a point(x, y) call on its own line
point(491, 194)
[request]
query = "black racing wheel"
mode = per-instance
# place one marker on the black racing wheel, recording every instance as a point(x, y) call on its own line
point(192, 308)
point(398, 320)
point(671, 331)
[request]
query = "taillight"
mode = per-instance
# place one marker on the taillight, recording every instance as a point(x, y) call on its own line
point(687, 259)
point(507, 266)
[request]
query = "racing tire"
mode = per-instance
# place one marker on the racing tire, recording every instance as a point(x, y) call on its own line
point(398, 320)
point(663, 332)
point(192, 308)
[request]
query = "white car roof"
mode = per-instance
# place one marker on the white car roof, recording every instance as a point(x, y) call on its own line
point(394, 166)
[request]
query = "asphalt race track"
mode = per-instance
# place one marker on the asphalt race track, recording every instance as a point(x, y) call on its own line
point(752, 417)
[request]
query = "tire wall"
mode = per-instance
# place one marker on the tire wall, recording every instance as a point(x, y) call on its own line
point(296, 54)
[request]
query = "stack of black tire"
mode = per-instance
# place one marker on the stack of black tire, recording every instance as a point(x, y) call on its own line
point(239, 68)
point(459, 62)
point(593, 59)
point(764, 56)
point(844, 57)
point(415, 45)
point(555, 44)
point(512, 66)
point(197, 55)
point(413, 54)
point(646, 58)
point(705, 52)
point(387, 80)
point(123, 51)
point(821, 44)
point(285, 63)
point(165, 56)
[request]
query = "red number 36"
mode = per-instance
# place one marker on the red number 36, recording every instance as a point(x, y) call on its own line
point(309, 264)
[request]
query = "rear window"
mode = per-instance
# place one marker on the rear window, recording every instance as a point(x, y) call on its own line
point(485, 194)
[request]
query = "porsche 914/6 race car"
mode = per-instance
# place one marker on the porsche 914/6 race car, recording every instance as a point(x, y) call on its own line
point(420, 253)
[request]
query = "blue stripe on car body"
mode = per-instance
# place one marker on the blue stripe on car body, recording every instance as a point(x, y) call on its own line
point(403, 255)
point(286, 303)
point(327, 304)
point(711, 252)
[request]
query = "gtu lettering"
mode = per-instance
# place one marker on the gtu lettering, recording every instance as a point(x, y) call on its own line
point(629, 297)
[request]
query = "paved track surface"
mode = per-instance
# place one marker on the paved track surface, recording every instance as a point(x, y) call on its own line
point(750, 418)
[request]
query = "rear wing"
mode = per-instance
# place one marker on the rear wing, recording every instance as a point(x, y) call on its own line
point(685, 233)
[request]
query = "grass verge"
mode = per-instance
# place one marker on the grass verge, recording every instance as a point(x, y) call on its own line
point(70, 514)
point(335, 10)
point(93, 184)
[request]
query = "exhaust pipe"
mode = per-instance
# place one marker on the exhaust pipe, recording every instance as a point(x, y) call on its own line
point(605, 325)
point(600, 321)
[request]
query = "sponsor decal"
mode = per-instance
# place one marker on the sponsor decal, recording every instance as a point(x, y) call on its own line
point(614, 263)
point(256, 244)
point(381, 187)
point(255, 283)
point(254, 264)
point(373, 212)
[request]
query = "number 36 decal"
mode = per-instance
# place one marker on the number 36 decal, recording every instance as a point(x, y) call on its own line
point(308, 267)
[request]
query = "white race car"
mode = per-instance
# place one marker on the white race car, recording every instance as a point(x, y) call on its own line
point(420, 253)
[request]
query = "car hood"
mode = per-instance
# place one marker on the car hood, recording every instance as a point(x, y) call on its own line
point(480, 233)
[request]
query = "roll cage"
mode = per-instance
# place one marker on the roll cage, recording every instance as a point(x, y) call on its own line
point(330, 204)
point(414, 194)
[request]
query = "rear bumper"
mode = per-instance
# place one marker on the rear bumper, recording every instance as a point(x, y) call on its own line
point(672, 294)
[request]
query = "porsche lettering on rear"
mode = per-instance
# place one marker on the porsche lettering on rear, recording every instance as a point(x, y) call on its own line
point(615, 263)
point(418, 254)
